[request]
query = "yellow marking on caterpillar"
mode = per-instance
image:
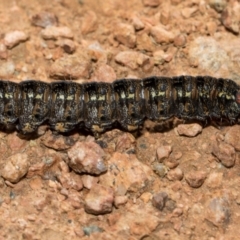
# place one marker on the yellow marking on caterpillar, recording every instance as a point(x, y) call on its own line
point(70, 97)
point(180, 93)
point(123, 95)
point(161, 94)
point(102, 98)
point(153, 93)
point(61, 96)
point(228, 97)
point(39, 96)
point(93, 98)
point(131, 95)
point(8, 95)
point(30, 94)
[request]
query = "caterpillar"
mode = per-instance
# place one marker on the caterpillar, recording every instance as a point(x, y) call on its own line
point(98, 105)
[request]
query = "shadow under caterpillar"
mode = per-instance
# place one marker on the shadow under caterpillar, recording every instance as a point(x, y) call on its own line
point(97, 106)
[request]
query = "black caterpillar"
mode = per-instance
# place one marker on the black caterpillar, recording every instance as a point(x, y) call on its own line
point(98, 106)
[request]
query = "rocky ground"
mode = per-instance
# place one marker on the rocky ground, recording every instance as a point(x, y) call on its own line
point(182, 183)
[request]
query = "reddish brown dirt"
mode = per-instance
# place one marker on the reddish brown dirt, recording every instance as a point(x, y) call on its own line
point(153, 186)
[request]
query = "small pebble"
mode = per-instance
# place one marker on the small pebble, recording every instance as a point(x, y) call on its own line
point(171, 163)
point(176, 155)
point(159, 200)
point(53, 32)
point(195, 179)
point(179, 40)
point(189, 11)
point(125, 34)
point(105, 73)
point(145, 43)
point(67, 45)
point(225, 153)
point(160, 169)
point(163, 152)
point(99, 200)
point(214, 180)
point(137, 23)
point(170, 205)
point(36, 183)
point(165, 15)
point(162, 35)
point(64, 167)
point(230, 18)
point(89, 22)
point(71, 67)
point(88, 230)
point(120, 200)
point(146, 197)
point(32, 217)
point(159, 57)
point(212, 27)
point(218, 5)
point(57, 141)
point(13, 38)
point(175, 175)
point(189, 130)
point(87, 157)
point(176, 186)
point(132, 59)
point(219, 212)
point(16, 167)
point(44, 19)
point(71, 181)
point(177, 212)
point(96, 51)
point(89, 181)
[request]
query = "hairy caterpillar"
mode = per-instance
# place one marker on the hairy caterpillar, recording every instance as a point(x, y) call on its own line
point(98, 106)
